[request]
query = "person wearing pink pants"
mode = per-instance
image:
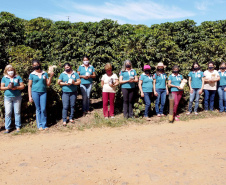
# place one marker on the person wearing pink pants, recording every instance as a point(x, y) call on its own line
point(109, 82)
point(174, 83)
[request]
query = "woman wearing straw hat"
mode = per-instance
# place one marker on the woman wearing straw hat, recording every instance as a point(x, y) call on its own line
point(160, 88)
point(145, 86)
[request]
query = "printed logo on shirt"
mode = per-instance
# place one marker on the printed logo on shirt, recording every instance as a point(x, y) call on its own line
point(140, 77)
point(44, 77)
point(73, 76)
point(90, 70)
point(199, 75)
point(16, 80)
point(132, 73)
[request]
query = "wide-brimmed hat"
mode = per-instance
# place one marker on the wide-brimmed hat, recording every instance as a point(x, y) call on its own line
point(147, 67)
point(160, 64)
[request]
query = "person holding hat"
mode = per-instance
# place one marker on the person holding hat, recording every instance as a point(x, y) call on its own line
point(146, 86)
point(69, 80)
point(160, 88)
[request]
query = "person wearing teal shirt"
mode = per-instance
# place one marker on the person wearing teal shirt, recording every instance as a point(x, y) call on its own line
point(87, 73)
point(196, 84)
point(222, 88)
point(174, 82)
point(12, 84)
point(69, 80)
point(146, 86)
point(160, 88)
point(128, 78)
point(37, 92)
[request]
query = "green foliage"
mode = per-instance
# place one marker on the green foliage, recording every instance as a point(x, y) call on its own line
point(179, 43)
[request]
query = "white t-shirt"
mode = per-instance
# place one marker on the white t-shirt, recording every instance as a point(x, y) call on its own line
point(107, 79)
point(210, 75)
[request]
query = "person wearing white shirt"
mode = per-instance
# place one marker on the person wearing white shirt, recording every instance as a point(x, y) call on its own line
point(109, 82)
point(211, 77)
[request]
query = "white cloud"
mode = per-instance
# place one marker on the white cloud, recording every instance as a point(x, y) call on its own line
point(123, 11)
point(203, 5)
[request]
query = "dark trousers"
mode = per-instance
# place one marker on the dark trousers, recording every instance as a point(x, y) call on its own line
point(127, 102)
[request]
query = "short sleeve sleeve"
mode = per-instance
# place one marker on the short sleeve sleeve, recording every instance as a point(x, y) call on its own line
point(141, 77)
point(115, 76)
point(169, 78)
point(77, 76)
point(79, 68)
point(120, 74)
point(189, 74)
point(61, 77)
point(3, 80)
point(154, 76)
point(93, 69)
point(30, 77)
point(103, 77)
point(204, 74)
point(20, 79)
point(182, 77)
point(217, 74)
point(46, 75)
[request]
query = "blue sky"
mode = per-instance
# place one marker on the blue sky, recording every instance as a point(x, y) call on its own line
point(146, 12)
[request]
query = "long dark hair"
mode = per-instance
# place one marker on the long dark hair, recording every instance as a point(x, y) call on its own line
point(195, 63)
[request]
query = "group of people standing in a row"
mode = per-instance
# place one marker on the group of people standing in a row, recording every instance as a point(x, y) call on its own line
point(12, 84)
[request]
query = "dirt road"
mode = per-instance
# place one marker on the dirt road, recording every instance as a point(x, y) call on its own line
point(182, 153)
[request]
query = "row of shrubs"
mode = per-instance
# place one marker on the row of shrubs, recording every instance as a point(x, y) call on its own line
point(55, 43)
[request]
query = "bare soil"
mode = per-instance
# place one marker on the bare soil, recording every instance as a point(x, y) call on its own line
point(191, 152)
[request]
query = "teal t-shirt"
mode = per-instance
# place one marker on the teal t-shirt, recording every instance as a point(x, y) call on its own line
point(196, 79)
point(83, 71)
point(147, 82)
point(65, 77)
point(222, 78)
point(126, 76)
point(175, 80)
point(160, 81)
point(38, 84)
point(16, 82)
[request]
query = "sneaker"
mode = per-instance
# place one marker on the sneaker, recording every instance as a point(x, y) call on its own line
point(112, 117)
point(106, 118)
point(71, 120)
point(163, 115)
point(47, 128)
point(177, 116)
point(18, 130)
point(196, 113)
point(177, 119)
point(188, 113)
point(159, 115)
point(40, 129)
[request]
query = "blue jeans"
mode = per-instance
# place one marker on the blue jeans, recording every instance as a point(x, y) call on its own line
point(195, 95)
point(162, 96)
point(40, 104)
point(10, 104)
point(147, 101)
point(68, 98)
point(85, 90)
point(209, 99)
point(222, 99)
